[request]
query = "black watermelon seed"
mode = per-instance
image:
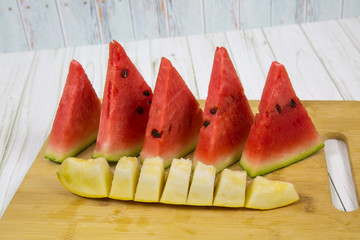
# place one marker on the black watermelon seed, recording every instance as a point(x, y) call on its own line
point(292, 103)
point(156, 133)
point(147, 93)
point(206, 123)
point(124, 73)
point(278, 108)
point(140, 110)
point(149, 102)
point(213, 110)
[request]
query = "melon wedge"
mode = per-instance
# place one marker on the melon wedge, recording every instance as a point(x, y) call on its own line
point(230, 189)
point(89, 178)
point(125, 179)
point(283, 132)
point(264, 194)
point(151, 180)
point(202, 185)
point(175, 118)
point(177, 183)
point(76, 121)
point(125, 111)
point(227, 116)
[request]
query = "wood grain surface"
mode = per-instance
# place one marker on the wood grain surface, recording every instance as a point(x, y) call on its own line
point(43, 209)
point(34, 25)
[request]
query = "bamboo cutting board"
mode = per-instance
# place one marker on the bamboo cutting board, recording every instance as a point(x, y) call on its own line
point(43, 209)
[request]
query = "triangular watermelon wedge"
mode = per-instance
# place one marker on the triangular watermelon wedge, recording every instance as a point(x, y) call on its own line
point(77, 118)
point(227, 116)
point(283, 132)
point(175, 117)
point(125, 110)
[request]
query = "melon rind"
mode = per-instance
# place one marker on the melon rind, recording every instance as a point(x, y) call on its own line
point(225, 162)
point(264, 168)
point(167, 162)
point(59, 158)
point(114, 157)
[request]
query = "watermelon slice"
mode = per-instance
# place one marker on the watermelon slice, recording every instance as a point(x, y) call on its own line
point(77, 118)
point(125, 110)
point(283, 132)
point(227, 116)
point(175, 117)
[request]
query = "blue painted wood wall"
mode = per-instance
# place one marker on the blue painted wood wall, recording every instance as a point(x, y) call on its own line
point(43, 24)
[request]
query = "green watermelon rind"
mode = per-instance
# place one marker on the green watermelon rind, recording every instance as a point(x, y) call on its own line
point(116, 157)
point(186, 151)
point(229, 160)
point(57, 158)
point(272, 166)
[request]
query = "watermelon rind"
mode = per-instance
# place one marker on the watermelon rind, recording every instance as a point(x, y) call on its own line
point(114, 157)
point(58, 158)
point(262, 169)
point(230, 160)
point(167, 162)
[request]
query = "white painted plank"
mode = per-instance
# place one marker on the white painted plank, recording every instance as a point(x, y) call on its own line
point(285, 12)
point(79, 22)
point(308, 76)
point(115, 20)
point(255, 13)
point(184, 17)
point(351, 27)
point(149, 19)
point(11, 28)
point(37, 108)
point(338, 164)
point(338, 55)
point(202, 49)
point(351, 8)
point(252, 57)
point(139, 53)
point(221, 16)
point(42, 24)
point(177, 51)
point(94, 61)
point(13, 72)
point(321, 10)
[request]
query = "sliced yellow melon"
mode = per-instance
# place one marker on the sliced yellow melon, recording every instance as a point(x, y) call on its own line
point(125, 179)
point(177, 183)
point(230, 189)
point(86, 177)
point(202, 185)
point(263, 193)
point(151, 180)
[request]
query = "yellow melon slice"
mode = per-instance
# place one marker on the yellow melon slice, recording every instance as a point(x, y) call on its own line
point(86, 177)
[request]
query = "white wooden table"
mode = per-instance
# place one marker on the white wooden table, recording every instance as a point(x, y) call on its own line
point(322, 59)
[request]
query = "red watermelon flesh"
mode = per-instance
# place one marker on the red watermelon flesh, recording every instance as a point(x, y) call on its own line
point(77, 118)
point(227, 116)
point(283, 132)
point(125, 111)
point(175, 117)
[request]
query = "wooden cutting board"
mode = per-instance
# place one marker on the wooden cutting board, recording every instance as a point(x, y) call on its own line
point(43, 209)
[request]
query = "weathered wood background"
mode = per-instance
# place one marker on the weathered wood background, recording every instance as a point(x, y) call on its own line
point(44, 24)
